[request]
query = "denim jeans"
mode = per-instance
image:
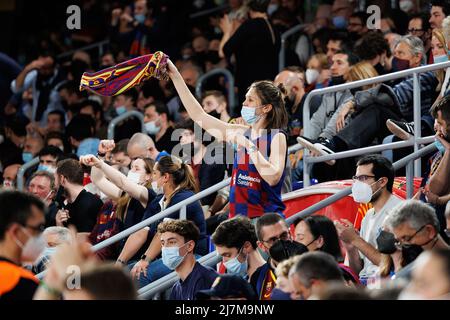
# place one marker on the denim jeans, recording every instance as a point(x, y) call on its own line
point(155, 270)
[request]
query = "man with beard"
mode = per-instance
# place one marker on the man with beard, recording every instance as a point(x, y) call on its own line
point(357, 25)
point(43, 77)
point(372, 184)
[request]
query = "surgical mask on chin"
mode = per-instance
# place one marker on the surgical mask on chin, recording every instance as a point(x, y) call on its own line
point(152, 128)
point(140, 18)
point(234, 266)
point(311, 75)
point(362, 192)
point(439, 146)
point(8, 184)
point(49, 169)
point(158, 190)
point(134, 177)
point(33, 248)
point(249, 114)
point(121, 110)
point(171, 256)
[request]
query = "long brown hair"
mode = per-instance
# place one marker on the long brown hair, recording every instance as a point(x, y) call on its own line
point(181, 173)
point(124, 201)
point(269, 93)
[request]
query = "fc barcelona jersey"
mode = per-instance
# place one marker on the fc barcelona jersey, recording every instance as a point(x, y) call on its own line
point(250, 194)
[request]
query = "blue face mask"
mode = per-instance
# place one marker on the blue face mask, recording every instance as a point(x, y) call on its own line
point(171, 257)
point(152, 128)
point(249, 114)
point(234, 266)
point(140, 18)
point(278, 294)
point(121, 110)
point(441, 58)
point(340, 22)
point(27, 156)
point(43, 167)
point(439, 146)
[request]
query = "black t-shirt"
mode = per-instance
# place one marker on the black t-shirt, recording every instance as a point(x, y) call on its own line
point(165, 142)
point(133, 216)
point(50, 215)
point(83, 211)
point(25, 284)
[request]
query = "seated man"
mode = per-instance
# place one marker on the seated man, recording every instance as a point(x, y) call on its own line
point(80, 207)
point(178, 240)
point(20, 226)
point(239, 253)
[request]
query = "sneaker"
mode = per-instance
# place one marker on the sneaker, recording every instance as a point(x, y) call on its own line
point(317, 148)
point(402, 130)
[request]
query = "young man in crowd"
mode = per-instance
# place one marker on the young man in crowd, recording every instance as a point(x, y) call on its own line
point(178, 240)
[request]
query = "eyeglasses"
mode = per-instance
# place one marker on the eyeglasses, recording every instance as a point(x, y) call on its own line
point(407, 239)
point(284, 236)
point(415, 30)
point(362, 177)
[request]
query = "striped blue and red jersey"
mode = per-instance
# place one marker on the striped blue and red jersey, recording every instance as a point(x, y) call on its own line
point(250, 194)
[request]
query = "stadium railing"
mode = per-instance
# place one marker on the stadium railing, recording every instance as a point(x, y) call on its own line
point(284, 37)
point(416, 141)
point(212, 258)
point(22, 170)
point(113, 123)
point(100, 45)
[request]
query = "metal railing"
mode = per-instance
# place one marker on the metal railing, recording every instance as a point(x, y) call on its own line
point(284, 36)
point(97, 45)
point(212, 259)
point(118, 119)
point(230, 79)
point(21, 172)
point(392, 76)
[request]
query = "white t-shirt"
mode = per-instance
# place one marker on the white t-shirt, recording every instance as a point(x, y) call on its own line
point(370, 227)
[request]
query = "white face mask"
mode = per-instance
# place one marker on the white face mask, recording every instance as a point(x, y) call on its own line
point(158, 190)
point(33, 248)
point(362, 192)
point(311, 75)
point(152, 128)
point(134, 177)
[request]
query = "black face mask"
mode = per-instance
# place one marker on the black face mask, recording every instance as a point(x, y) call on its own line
point(215, 114)
point(379, 68)
point(288, 104)
point(410, 252)
point(354, 91)
point(337, 80)
point(386, 242)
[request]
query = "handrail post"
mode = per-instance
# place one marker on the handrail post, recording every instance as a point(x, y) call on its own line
point(409, 179)
point(284, 36)
point(21, 172)
point(417, 123)
point(183, 214)
point(118, 119)
point(230, 78)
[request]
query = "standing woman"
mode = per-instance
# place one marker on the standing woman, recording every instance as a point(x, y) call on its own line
point(260, 159)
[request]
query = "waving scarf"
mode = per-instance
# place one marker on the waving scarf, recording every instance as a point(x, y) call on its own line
point(119, 78)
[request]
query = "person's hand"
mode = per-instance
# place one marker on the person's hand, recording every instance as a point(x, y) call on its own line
point(139, 267)
point(35, 64)
point(346, 230)
point(340, 121)
point(62, 216)
point(68, 255)
point(115, 14)
point(106, 146)
point(239, 120)
point(443, 141)
point(236, 137)
point(418, 194)
point(125, 17)
point(90, 161)
point(225, 24)
point(431, 197)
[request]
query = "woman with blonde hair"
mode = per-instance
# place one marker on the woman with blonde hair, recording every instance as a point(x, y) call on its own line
point(317, 74)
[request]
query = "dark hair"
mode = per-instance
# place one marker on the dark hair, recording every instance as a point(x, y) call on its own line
point(317, 265)
point(361, 15)
point(269, 93)
point(219, 95)
point(382, 167)
point(322, 226)
point(371, 45)
point(268, 219)
point(444, 107)
point(343, 37)
point(424, 17)
point(16, 208)
point(62, 116)
point(258, 5)
point(444, 4)
point(323, 35)
point(284, 249)
point(72, 170)
point(352, 59)
point(241, 229)
point(72, 87)
point(182, 174)
point(81, 126)
point(94, 104)
point(121, 146)
point(18, 125)
point(57, 135)
point(185, 228)
point(108, 282)
point(53, 151)
point(132, 94)
point(160, 108)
